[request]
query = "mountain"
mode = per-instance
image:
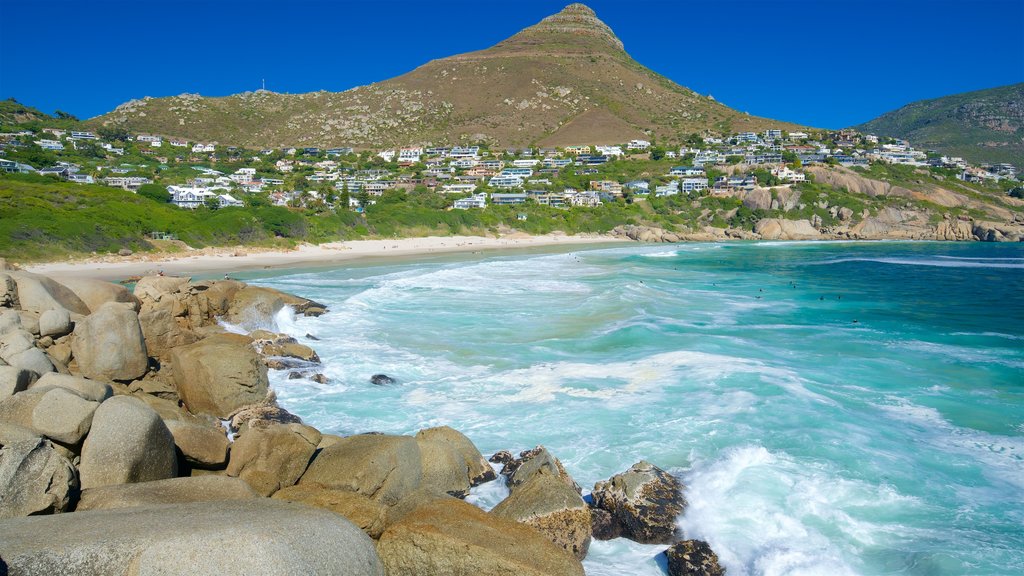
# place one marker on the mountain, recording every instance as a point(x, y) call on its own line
point(566, 80)
point(982, 126)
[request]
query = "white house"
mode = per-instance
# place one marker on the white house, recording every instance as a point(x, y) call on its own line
point(525, 162)
point(387, 155)
point(506, 181)
point(179, 143)
point(786, 174)
point(457, 188)
point(609, 150)
point(409, 155)
point(688, 185)
point(638, 145)
point(199, 147)
point(474, 201)
point(49, 144)
point(686, 171)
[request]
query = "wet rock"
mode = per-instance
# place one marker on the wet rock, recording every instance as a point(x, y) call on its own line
point(603, 526)
point(320, 379)
point(693, 558)
point(381, 380)
point(502, 457)
point(477, 469)
point(645, 501)
point(533, 461)
point(554, 508)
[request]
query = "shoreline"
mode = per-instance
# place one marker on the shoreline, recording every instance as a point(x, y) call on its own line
point(243, 259)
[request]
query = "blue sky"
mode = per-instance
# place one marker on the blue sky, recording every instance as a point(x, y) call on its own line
point(824, 63)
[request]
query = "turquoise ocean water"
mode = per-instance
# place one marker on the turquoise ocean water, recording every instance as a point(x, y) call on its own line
point(832, 408)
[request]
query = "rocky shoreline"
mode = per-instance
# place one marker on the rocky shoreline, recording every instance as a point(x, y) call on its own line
point(139, 436)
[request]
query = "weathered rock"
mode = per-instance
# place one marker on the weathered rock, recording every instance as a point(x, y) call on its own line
point(788, 199)
point(253, 537)
point(34, 479)
point(954, 230)
point(780, 229)
point(477, 468)
point(320, 379)
point(645, 500)
point(444, 469)
point(169, 491)
point(17, 348)
point(156, 384)
point(501, 457)
point(9, 320)
point(96, 293)
point(88, 389)
point(291, 350)
point(693, 558)
point(266, 412)
point(8, 292)
point(63, 416)
point(379, 466)
point(554, 508)
point(18, 408)
point(161, 327)
point(531, 462)
point(55, 323)
point(218, 375)
point(381, 380)
point(758, 199)
point(128, 443)
point(30, 321)
point(39, 294)
point(603, 526)
point(272, 457)
point(201, 445)
point(108, 344)
point(156, 288)
point(14, 380)
point(255, 307)
point(11, 432)
point(360, 510)
point(448, 536)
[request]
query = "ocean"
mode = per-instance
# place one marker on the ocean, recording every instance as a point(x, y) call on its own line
point(832, 408)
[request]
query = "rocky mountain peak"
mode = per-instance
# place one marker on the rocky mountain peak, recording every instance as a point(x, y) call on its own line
point(575, 27)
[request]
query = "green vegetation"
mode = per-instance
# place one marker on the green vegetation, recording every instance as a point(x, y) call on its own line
point(43, 219)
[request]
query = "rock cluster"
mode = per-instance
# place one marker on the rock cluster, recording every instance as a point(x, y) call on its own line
point(154, 432)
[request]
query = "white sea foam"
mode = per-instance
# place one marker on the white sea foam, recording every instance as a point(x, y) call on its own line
point(936, 262)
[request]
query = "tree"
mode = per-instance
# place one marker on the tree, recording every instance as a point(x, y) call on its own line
point(657, 153)
point(62, 115)
point(113, 133)
point(155, 192)
point(212, 202)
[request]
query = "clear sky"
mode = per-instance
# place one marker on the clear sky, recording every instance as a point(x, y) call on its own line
point(826, 63)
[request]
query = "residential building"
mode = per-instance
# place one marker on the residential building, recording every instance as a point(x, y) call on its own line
point(49, 144)
point(81, 179)
point(457, 188)
point(83, 136)
point(772, 134)
point(576, 150)
point(669, 189)
point(10, 166)
point(687, 171)
point(639, 145)
point(786, 174)
point(179, 143)
point(201, 148)
point(508, 199)
point(688, 185)
point(608, 186)
point(474, 201)
point(506, 181)
point(525, 162)
point(609, 150)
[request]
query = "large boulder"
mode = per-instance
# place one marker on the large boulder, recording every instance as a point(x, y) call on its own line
point(55, 323)
point(781, 229)
point(693, 558)
point(108, 344)
point(88, 389)
point(34, 479)
point(554, 508)
point(477, 468)
point(534, 461)
point(360, 510)
point(444, 469)
point(11, 432)
point(448, 536)
point(758, 199)
point(255, 307)
point(18, 349)
point(14, 380)
point(39, 294)
point(96, 293)
point(169, 491)
point(128, 443)
point(219, 375)
point(163, 328)
point(201, 445)
point(63, 416)
point(382, 467)
point(156, 288)
point(252, 537)
point(645, 502)
point(272, 457)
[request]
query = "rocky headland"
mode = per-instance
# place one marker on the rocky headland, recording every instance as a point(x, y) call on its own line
point(138, 435)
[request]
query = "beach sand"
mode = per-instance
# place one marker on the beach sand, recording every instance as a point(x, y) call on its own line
point(215, 261)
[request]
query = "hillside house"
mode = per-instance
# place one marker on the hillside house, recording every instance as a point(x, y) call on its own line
point(474, 201)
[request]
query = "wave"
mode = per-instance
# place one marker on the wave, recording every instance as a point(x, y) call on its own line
point(935, 262)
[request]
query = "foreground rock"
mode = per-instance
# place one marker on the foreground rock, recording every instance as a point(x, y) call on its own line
point(448, 536)
point(272, 457)
point(644, 502)
point(108, 344)
point(693, 558)
point(384, 468)
point(128, 443)
point(253, 537)
point(201, 445)
point(554, 508)
point(536, 460)
point(34, 479)
point(368, 515)
point(219, 375)
point(170, 491)
point(477, 468)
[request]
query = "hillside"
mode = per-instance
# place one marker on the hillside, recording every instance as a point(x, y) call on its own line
point(982, 126)
point(566, 80)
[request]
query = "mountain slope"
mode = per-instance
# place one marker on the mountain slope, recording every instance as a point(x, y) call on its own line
point(982, 126)
point(565, 80)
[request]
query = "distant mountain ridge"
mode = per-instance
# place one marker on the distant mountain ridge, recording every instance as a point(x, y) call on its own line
point(566, 80)
point(981, 126)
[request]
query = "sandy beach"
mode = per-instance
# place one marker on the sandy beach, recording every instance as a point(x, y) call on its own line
point(227, 260)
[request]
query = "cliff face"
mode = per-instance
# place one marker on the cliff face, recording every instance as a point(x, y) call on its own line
point(566, 80)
